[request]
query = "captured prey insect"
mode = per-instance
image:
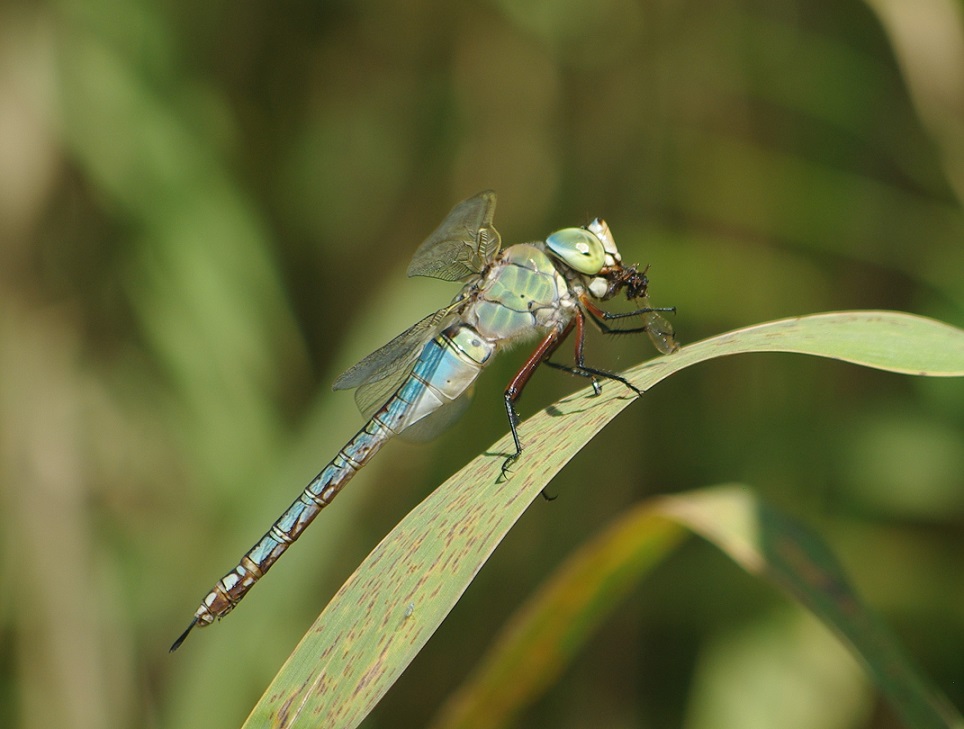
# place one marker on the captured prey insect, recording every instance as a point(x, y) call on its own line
point(421, 380)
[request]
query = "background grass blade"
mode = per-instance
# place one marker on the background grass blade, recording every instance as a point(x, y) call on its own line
point(548, 631)
point(769, 544)
point(551, 628)
point(387, 610)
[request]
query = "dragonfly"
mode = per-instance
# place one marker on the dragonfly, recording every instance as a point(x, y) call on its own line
point(420, 381)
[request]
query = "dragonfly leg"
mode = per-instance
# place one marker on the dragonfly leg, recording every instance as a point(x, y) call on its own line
point(513, 426)
point(601, 316)
point(581, 370)
point(593, 373)
point(580, 342)
point(659, 330)
point(513, 392)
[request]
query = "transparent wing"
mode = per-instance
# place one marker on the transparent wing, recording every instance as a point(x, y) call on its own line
point(429, 427)
point(379, 374)
point(464, 242)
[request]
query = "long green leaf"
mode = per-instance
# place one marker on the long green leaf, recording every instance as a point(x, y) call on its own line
point(391, 605)
point(548, 631)
point(555, 623)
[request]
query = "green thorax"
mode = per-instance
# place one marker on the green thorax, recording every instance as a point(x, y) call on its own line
point(521, 294)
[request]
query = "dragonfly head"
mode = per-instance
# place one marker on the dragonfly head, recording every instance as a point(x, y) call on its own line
point(600, 229)
point(579, 248)
point(591, 251)
point(613, 277)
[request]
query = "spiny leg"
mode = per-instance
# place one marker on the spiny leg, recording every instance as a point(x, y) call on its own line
point(579, 348)
point(601, 316)
point(659, 330)
point(592, 373)
point(581, 370)
point(513, 392)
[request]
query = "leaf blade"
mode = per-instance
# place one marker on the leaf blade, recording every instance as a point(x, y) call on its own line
point(347, 661)
point(555, 622)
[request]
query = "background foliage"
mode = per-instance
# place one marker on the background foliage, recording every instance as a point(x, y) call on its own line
point(205, 214)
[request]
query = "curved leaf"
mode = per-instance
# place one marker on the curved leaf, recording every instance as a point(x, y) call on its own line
point(548, 631)
point(391, 605)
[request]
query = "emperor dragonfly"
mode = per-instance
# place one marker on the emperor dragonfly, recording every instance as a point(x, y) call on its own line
point(422, 379)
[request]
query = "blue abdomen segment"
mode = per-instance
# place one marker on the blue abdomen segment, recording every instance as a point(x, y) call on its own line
point(447, 366)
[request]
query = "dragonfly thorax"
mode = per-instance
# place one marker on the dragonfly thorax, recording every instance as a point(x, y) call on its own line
point(521, 294)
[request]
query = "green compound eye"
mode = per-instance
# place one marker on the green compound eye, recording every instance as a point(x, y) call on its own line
point(579, 249)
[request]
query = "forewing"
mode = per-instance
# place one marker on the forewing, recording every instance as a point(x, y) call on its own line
point(462, 245)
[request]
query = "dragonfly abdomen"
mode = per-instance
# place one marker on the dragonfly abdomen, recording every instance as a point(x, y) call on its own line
point(448, 364)
point(322, 490)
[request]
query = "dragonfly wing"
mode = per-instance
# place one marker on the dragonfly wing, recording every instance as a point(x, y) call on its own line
point(435, 423)
point(379, 374)
point(463, 244)
point(372, 395)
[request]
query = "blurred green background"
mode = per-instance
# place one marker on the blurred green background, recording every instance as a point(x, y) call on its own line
point(206, 211)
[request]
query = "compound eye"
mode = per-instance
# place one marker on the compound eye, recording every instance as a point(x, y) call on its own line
point(579, 249)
